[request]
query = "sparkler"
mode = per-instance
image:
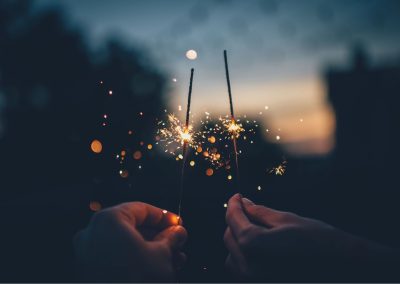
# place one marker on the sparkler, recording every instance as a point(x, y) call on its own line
point(185, 138)
point(232, 127)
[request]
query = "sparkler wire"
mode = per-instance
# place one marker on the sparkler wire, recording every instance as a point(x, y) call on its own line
point(185, 143)
point(228, 81)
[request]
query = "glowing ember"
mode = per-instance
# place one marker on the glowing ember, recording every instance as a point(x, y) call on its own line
point(95, 206)
point(209, 172)
point(96, 146)
point(137, 155)
point(192, 163)
point(233, 128)
point(279, 170)
point(149, 146)
point(174, 134)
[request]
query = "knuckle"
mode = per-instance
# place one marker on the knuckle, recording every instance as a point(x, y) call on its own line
point(257, 210)
point(103, 216)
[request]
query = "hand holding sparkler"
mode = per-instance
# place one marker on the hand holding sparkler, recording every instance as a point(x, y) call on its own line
point(131, 242)
point(266, 244)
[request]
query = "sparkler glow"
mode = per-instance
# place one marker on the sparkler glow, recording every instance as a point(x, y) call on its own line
point(279, 170)
point(185, 139)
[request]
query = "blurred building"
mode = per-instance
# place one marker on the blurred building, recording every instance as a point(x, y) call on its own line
point(366, 101)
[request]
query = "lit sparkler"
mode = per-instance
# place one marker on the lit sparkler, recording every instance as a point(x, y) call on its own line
point(233, 127)
point(185, 139)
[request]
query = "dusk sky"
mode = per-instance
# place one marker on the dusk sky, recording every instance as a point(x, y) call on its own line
point(277, 53)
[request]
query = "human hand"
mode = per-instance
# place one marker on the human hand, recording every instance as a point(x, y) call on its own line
point(268, 244)
point(133, 241)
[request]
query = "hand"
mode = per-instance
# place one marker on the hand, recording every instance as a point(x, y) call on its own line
point(268, 244)
point(131, 242)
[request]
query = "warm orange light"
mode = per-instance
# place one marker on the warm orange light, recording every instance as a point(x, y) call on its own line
point(123, 153)
point(206, 154)
point(199, 149)
point(95, 206)
point(186, 137)
point(209, 172)
point(137, 155)
point(96, 146)
point(149, 146)
point(211, 139)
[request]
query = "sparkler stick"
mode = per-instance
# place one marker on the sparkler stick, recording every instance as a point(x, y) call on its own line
point(233, 121)
point(185, 142)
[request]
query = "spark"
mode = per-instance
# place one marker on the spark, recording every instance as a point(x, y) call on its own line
point(259, 187)
point(279, 170)
point(110, 92)
point(174, 80)
point(175, 134)
point(164, 211)
point(211, 140)
point(225, 205)
point(233, 128)
point(278, 137)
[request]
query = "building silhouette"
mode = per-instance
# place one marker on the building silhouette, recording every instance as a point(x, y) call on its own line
point(366, 100)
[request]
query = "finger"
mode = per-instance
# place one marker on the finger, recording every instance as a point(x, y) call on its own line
point(234, 248)
point(174, 237)
point(266, 216)
point(236, 217)
point(142, 214)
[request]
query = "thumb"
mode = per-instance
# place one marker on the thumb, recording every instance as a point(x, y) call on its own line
point(174, 237)
point(263, 215)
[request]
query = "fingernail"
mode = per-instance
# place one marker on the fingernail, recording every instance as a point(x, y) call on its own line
point(248, 201)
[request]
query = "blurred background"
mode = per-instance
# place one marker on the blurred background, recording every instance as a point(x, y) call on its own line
point(321, 78)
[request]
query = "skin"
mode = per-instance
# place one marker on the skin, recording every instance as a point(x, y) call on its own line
point(131, 242)
point(266, 244)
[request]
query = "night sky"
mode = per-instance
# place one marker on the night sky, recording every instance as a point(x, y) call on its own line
point(277, 50)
